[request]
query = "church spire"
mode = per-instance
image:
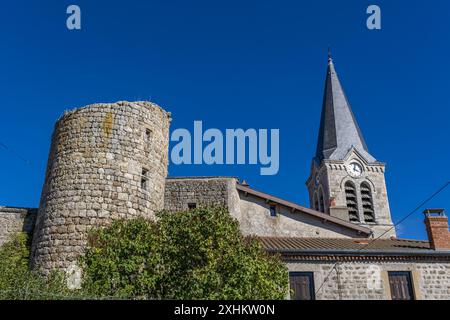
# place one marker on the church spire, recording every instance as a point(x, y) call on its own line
point(339, 131)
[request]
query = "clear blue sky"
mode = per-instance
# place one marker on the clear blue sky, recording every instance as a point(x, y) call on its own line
point(231, 64)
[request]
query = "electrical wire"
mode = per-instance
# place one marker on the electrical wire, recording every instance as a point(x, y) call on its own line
point(390, 229)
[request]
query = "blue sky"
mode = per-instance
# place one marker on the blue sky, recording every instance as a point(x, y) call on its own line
point(235, 64)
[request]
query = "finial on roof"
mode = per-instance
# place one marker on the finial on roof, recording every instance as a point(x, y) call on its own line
point(330, 59)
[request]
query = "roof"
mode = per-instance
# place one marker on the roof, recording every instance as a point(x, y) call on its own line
point(199, 177)
point(4, 209)
point(347, 246)
point(295, 207)
point(339, 132)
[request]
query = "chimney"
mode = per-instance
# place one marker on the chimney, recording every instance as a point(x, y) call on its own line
point(436, 223)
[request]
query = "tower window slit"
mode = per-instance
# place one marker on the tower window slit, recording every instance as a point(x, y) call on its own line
point(148, 135)
point(144, 180)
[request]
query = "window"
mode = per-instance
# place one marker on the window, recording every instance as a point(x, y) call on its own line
point(301, 285)
point(352, 202)
point(148, 135)
point(367, 202)
point(321, 201)
point(316, 202)
point(273, 211)
point(144, 180)
point(192, 206)
point(401, 285)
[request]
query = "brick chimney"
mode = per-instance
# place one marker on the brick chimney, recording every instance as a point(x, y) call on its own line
point(436, 223)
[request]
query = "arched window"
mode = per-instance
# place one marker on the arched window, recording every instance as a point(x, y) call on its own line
point(315, 202)
point(352, 202)
point(367, 202)
point(321, 203)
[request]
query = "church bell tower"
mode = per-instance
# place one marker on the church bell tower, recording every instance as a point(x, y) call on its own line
point(346, 181)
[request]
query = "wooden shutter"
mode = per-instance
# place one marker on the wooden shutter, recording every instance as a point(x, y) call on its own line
point(302, 285)
point(401, 285)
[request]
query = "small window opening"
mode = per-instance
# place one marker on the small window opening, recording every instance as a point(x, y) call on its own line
point(148, 135)
point(273, 211)
point(144, 180)
point(367, 202)
point(192, 206)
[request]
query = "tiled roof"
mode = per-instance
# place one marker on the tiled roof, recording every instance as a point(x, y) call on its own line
point(344, 245)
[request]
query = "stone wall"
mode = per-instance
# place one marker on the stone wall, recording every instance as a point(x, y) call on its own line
point(253, 213)
point(180, 192)
point(14, 220)
point(255, 219)
point(369, 280)
point(106, 162)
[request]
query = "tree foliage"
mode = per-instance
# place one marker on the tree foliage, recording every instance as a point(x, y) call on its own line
point(196, 254)
point(17, 282)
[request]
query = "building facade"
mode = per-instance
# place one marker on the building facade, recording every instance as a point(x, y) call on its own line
point(109, 162)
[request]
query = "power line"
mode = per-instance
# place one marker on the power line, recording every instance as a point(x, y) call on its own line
point(14, 153)
point(390, 229)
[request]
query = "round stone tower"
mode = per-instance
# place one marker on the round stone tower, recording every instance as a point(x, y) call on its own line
point(106, 162)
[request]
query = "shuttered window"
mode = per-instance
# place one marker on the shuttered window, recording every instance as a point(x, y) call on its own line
point(302, 285)
point(352, 202)
point(401, 285)
point(367, 202)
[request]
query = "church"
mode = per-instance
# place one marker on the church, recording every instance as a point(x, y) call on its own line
point(109, 161)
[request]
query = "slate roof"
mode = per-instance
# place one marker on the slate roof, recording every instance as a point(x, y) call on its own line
point(344, 245)
point(339, 131)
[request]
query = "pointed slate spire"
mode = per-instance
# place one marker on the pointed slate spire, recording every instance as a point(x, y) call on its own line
point(339, 132)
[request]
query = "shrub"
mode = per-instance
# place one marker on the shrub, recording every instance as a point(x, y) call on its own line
point(17, 282)
point(196, 254)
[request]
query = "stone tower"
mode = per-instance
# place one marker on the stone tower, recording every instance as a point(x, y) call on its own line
point(346, 181)
point(106, 162)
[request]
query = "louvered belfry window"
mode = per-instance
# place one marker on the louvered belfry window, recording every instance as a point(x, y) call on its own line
point(367, 202)
point(352, 202)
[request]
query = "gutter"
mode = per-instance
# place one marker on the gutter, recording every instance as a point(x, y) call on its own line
point(355, 252)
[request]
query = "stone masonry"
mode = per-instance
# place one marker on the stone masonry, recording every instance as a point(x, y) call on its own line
point(106, 162)
point(368, 280)
point(14, 220)
point(109, 162)
point(331, 176)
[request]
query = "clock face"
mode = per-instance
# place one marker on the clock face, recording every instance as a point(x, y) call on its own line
point(354, 169)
